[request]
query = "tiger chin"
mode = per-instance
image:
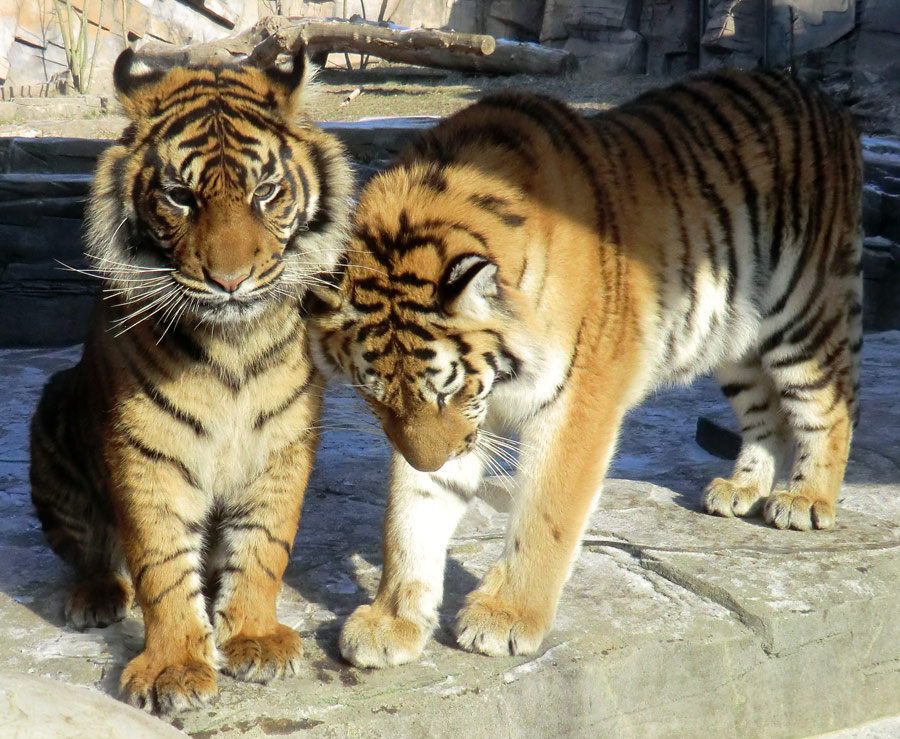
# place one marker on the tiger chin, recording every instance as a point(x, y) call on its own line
point(169, 465)
point(525, 270)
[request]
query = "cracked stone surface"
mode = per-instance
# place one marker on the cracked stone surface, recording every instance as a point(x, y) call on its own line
point(673, 623)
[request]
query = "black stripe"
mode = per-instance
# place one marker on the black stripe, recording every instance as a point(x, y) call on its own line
point(447, 142)
point(796, 391)
point(751, 195)
point(323, 217)
point(165, 404)
point(166, 591)
point(165, 560)
point(263, 418)
point(376, 329)
point(731, 389)
point(566, 130)
point(273, 354)
point(434, 178)
point(415, 329)
point(157, 456)
point(416, 307)
point(262, 565)
point(248, 526)
point(366, 307)
point(412, 280)
point(498, 207)
point(185, 345)
point(758, 407)
point(565, 380)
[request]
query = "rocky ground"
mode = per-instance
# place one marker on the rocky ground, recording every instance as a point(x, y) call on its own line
point(674, 623)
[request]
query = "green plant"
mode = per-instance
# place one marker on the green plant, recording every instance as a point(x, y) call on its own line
point(79, 58)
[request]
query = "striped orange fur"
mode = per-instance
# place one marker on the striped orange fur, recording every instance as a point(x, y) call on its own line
point(171, 462)
point(522, 269)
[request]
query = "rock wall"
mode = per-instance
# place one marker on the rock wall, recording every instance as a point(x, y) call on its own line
point(655, 36)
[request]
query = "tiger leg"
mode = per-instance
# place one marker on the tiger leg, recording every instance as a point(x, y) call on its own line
point(569, 447)
point(67, 494)
point(422, 512)
point(766, 441)
point(256, 536)
point(816, 390)
point(163, 519)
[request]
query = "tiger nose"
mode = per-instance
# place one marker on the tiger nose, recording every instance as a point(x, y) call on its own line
point(228, 282)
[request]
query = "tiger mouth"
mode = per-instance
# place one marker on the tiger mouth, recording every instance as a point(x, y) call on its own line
point(233, 306)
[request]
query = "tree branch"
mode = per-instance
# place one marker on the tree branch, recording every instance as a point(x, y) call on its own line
point(442, 49)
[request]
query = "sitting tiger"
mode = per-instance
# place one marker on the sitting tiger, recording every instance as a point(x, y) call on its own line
point(522, 269)
point(172, 460)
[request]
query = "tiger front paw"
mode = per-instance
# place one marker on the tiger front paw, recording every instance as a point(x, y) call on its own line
point(372, 637)
point(493, 626)
point(167, 688)
point(263, 658)
point(786, 510)
point(727, 498)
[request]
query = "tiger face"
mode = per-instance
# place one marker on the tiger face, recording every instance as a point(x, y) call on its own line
point(217, 200)
point(417, 324)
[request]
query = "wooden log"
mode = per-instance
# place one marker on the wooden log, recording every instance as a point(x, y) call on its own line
point(424, 47)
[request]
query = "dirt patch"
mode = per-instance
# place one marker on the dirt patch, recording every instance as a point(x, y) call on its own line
point(401, 90)
point(408, 91)
point(395, 90)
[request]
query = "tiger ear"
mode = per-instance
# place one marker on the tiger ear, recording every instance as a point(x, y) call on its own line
point(320, 301)
point(289, 75)
point(325, 294)
point(469, 283)
point(133, 76)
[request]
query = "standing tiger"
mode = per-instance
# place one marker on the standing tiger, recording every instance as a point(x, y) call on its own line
point(170, 463)
point(524, 269)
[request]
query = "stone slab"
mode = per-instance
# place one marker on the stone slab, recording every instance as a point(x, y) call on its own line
point(673, 623)
point(39, 708)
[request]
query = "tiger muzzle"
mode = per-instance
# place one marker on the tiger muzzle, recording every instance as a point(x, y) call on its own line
point(426, 440)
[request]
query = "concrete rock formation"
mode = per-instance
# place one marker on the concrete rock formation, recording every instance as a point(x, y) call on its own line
point(674, 623)
point(655, 36)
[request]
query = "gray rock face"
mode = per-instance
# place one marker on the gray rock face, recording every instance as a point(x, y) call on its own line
point(673, 623)
point(671, 35)
point(608, 52)
point(675, 35)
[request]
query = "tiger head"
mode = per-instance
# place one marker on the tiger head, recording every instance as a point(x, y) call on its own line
point(417, 320)
point(220, 197)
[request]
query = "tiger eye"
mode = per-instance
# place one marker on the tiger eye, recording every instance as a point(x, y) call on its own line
point(182, 197)
point(265, 191)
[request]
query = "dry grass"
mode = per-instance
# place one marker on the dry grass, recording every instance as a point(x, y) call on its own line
point(401, 90)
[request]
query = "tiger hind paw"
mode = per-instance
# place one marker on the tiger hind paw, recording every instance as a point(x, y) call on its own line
point(99, 600)
point(786, 510)
point(728, 498)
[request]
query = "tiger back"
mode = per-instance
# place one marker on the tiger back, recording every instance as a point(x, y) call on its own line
point(170, 463)
point(522, 269)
